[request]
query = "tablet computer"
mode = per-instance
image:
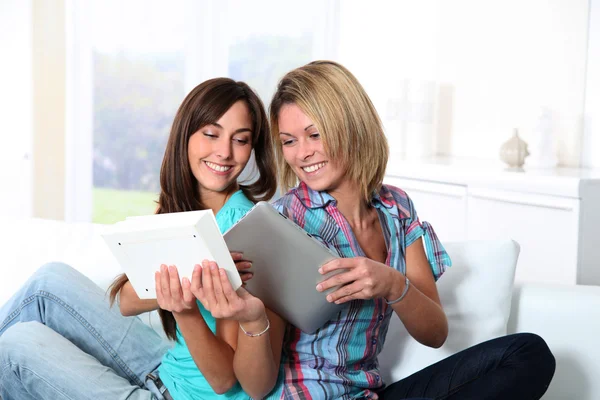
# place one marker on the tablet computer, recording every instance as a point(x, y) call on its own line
point(285, 262)
point(142, 244)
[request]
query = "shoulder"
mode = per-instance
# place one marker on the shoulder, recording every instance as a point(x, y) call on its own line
point(239, 201)
point(290, 203)
point(235, 208)
point(394, 197)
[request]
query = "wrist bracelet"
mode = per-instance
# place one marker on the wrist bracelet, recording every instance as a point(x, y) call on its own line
point(406, 286)
point(249, 334)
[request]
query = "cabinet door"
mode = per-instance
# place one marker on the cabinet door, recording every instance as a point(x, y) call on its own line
point(546, 227)
point(442, 205)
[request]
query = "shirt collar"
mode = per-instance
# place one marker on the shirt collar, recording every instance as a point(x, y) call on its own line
point(382, 198)
point(312, 198)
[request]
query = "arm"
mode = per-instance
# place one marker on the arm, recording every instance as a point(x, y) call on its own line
point(420, 310)
point(256, 359)
point(130, 304)
point(212, 354)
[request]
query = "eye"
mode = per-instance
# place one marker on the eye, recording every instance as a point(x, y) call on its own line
point(241, 141)
point(315, 135)
point(287, 142)
point(209, 134)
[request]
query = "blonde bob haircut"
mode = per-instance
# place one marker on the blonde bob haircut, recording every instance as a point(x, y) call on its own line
point(343, 114)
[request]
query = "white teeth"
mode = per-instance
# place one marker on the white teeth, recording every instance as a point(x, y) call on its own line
point(217, 167)
point(313, 168)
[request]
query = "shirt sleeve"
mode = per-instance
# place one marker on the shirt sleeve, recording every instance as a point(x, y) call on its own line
point(228, 218)
point(438, 258)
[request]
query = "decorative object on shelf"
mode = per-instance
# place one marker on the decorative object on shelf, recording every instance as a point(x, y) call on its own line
point(541, 142)
point(514, 151)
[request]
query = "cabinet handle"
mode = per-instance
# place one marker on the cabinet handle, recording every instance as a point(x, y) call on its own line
point(440, 193)
point(522, 203)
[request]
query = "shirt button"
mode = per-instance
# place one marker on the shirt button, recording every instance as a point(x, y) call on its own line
point(377, 378)
point(380, 317)
point(362, 365)
point(374, 341)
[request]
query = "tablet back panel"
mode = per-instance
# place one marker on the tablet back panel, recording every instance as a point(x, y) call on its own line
point(285, 261)
point(183, 241)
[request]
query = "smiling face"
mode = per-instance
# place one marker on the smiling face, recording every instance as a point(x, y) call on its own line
point(304, 152)
point(218, 152)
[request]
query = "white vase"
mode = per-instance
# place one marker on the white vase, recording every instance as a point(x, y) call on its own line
point(514, 151)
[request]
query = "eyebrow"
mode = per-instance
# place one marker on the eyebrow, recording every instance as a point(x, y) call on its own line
point(236, 131)
point(305, 129)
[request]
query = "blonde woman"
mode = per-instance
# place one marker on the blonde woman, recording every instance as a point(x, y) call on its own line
point(331, 141)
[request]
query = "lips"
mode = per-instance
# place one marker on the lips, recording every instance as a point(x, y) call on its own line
point(217, 167)
point(314, 167)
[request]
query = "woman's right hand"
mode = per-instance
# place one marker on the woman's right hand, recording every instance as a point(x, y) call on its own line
point(242, 266)
point(212, 288)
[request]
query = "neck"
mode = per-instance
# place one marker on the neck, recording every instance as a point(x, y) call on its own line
point(351, 204)
point(216, 200)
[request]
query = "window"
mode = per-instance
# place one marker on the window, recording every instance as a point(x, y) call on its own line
point(138, 83)
point(147, 55)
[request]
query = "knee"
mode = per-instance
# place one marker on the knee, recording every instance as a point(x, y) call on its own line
point(535, 354)
point(21, 342)
point(51, 275)
point(55, 269)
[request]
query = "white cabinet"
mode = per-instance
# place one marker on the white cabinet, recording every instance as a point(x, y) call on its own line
point(545, 227)
point(442, 205)
point(554, 214)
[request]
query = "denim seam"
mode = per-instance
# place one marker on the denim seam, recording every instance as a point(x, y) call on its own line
point(82, 321)
point(454, 390)
point(12, 365)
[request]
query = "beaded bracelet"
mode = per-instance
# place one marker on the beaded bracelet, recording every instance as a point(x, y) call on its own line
point(256, 334)
point(406, 285)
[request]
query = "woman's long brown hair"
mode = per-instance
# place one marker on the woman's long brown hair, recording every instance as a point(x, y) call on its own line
point(204, 105)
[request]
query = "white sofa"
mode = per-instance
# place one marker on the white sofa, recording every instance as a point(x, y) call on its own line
point(477, 294)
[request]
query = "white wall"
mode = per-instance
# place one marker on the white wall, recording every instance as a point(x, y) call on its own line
point(49, 109)
point(591, 148)
point(16, 108)
point(495, 64)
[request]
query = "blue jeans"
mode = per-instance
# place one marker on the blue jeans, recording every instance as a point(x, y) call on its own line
point(59, 339)
point(515, 367)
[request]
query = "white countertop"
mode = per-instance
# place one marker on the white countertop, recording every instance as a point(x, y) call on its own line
point(560, 181)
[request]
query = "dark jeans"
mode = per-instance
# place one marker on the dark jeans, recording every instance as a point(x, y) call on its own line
point(513, 367)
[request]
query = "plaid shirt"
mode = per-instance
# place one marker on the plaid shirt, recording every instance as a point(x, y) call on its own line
point(340, 359)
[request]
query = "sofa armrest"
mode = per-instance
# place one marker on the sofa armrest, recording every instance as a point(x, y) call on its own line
point(568, 318)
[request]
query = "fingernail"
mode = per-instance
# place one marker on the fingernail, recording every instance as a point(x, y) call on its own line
point(172, 269)
point(213, 267)
point(329, 298)
point(197, 268)
point(319, 287)
point(222, 271)
point(320, 270)
point(163, 268)
point(205, 263)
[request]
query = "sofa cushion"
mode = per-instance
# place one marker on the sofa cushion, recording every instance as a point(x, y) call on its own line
point(31, 243)
point(476, 295)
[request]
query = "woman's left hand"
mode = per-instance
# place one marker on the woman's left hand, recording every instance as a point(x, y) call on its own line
point(363, 279)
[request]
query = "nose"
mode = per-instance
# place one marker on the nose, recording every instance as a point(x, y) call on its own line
point(223, 148)
point(305, 150)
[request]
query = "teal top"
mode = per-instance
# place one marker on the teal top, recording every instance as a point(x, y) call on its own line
point(178, 371)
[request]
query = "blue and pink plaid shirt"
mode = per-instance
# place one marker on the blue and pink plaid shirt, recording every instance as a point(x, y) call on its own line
point(339, 361)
